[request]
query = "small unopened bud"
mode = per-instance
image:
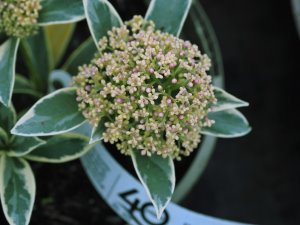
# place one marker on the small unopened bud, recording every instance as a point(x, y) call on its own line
point(172, 65)
point(190, 84)
point(119, 100)
point(174, 81)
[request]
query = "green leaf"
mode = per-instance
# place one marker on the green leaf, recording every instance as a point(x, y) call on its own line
point(57, 38)
point(60, 11)
point(60, 77)
point(101, 17)
point(23, 86)
point(36, 58)
point(168, 16)
point(97, 132)
point(2, 37)
point(82, 55)
point(157, 174)
point(8, 56)
point(17, 190)
point(23, 145)
point(53, 114)
point(7, 117)
point(3, 138)
point(61, 148)
point(228, 124)
point(226, 101)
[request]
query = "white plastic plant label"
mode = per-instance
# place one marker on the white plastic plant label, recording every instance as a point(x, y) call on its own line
point(127, 197)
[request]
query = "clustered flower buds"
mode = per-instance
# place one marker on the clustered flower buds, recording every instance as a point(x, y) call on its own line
point(18, 18)
point(150, 90)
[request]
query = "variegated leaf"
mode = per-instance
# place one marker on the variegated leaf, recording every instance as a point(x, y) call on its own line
point(60, 77)
point(101, 17)
point(53, 114)
point(8, 56)
point(228, 124)
point(61, 148)
point(17, 190)
point(97, 132)
point(23, 145)
point(226, 101)
point(168, 16)
point(60, 11)
point(157, 174)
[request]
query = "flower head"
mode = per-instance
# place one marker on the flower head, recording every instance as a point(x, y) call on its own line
point(18, 18)
point(151, 89)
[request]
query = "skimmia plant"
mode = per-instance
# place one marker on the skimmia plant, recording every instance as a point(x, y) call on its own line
point(17, 183)
point(145, 90)
point(20, 19)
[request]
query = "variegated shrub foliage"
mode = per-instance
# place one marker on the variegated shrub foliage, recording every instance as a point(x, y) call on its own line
point(43, 133)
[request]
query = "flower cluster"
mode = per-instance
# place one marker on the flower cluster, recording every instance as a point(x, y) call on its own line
point(149, 89)
point(18, 18)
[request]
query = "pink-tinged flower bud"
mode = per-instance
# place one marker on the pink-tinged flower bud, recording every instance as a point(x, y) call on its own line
point(119, 100)
point(87, 87)
point(169, 101)
point(181, 117)
point(187, 44)
point(148, 90)
point(151, 70)
point(196, 81)
point(161, 114)
point(174, 81)
point(190, 84)
point(172, 65)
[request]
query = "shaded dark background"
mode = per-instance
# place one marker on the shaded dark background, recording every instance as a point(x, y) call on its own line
point(254, 179)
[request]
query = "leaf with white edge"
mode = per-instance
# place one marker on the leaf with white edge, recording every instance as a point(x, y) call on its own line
point(53, 114)
point(57, 38)
point(23, 86)
point(101, 17)
point(61, 148)
point(82, 55)
point(60, 11)
point(23, 145)
point(168, 16)
point(228, 124)
point(7, 117)
point(157, 175)
point(17, 190)
point(60, 78)
point(226, 101)
point(97, 132)
point(8, 56)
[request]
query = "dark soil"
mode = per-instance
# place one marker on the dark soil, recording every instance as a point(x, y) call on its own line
point(252, 179)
